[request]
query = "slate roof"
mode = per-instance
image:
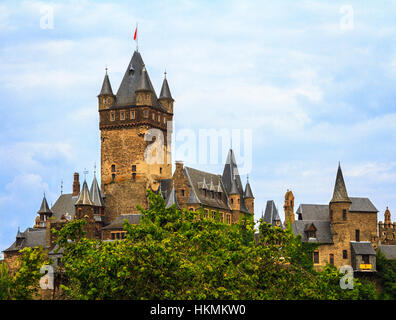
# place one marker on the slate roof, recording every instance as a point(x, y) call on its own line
point(362, 205)
point(323, 230)
point(164, 188)
point(32, 237)
point(84, 198)
point(119, 221)
point(143, 84)
point(271, 213)
point(195, 178)
point(388, 250)
point(106, 86)
point(44, 208)
point(248, 191)
point(126, 95)
point(96, 194)
point(172, 200)
point(64, 206)
point(229, 173)
point(362, 247)
point(165, 92)
point(340, 193)
point(321, 211)
point(314, 211)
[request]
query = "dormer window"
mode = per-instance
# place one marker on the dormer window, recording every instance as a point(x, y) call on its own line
point(310, 231)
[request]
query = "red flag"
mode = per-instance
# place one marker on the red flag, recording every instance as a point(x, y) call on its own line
point(135, 35)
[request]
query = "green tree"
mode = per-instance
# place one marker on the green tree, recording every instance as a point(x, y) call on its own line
point(387, 275)
point(180, 254)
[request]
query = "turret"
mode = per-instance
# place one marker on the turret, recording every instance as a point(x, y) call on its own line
point(387, 216)
point(340, 202)
point(235, 197)
point(85, 210)
point(248, 197)
point(143, 90)
point(44, 213)
point(106, 97)
point(165, 97)
point(288, 207)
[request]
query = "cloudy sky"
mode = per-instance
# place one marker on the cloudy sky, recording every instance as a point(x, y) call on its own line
point(315, 82)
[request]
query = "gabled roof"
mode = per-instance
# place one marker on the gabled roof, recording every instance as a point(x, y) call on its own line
point(192, 198)
point(106, 86)
point(340, 193)
point(362, 205)
point(96, 194)
point(362, 247)
point(314, 211)
point(84, 197)
point(196, 178)
point(271, 213)
point(31, 237)
point(126, 95)
point(64, 206)
point(117, 224)
point(323, 230)
point(165, 92)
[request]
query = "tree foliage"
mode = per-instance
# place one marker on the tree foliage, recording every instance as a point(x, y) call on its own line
point(387, 274)
point(180, 254)
point(24, 283)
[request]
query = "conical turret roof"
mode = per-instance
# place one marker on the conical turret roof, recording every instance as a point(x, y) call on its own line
point(44, 208)
point(96, 194)
point(106, 86)
point(248, 191)
point(143, 84)
point(234, 188)
point(340, 192)
point(84, 197)
point(165, 92)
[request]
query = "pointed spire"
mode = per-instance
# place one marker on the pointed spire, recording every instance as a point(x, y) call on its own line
point(340, 193)
point(248, 191)
point(165, 92)
point(172, 199)
point(143, 84)
point(95, 193)
point(84, 197)
point(106, 86)
point(19, 234)
point(192, 198)
point(44, 208)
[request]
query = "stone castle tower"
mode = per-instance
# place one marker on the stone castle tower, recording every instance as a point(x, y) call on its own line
point(136, 129)
point(387, 229)
point(288, 207)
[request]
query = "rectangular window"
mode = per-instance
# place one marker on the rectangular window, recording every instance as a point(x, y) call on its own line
point(145, 113)
point(228, 219)
point(153, 115)
point(357, 235)
point(344, 215)
point(164, 120)
point(159, 118)
point(344, 254)
point(134, 176)
point(160, 170)
point(213, 214)
point(112, 236)
point(206, 214)
point(182, 192)
point(122, 115)
point(134, 167)
point(113, 168)
point(113, 177)
point(316, 257)
point(331, 259)
point(366, 259)
point(132, 115)
point(112, 116)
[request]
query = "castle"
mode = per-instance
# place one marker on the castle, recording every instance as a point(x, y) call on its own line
point(128, 122)
point(346, 229)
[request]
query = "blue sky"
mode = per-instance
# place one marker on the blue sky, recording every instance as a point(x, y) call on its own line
point(313, 93)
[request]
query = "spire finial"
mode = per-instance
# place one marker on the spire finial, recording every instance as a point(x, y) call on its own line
point(61, 186)
point(85, 173)
point(247, 178)
point(106, 68)
point(95, 169)
point(165, 73)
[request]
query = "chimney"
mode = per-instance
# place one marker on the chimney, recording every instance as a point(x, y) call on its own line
point(179, 165)
point(76, 185)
